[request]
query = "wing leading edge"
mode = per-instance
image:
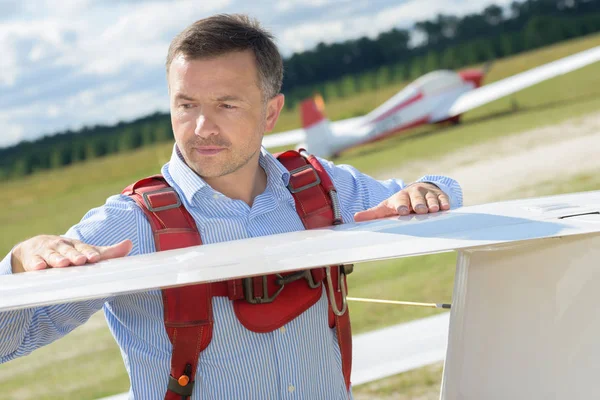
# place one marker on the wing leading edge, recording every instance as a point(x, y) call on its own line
point(467, 227)
point(512, 84)
point(298, 136)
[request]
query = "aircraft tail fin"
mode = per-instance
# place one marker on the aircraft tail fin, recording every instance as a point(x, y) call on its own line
point(319, 135)
point(312, 111)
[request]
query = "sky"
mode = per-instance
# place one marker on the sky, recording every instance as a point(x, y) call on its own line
point(71, 63)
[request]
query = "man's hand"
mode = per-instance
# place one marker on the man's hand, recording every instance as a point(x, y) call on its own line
point(420, 198)
point(47, 251)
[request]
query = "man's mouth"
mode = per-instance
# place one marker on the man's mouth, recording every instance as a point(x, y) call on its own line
point(209, 150)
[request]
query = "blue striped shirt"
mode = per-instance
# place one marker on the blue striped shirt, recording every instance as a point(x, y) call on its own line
point(301, 360)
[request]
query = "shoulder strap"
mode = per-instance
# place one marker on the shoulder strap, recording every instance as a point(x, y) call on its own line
point(189, 328)
point(316, 199)
point(318, 206)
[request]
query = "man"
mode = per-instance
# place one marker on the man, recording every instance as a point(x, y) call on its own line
point(224, 75)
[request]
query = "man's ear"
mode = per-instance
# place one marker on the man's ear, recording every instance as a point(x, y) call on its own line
point(274, 107)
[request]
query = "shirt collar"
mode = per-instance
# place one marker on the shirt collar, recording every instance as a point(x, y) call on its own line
point(180, 176)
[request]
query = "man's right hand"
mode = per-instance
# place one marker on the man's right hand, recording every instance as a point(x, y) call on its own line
point(47, 251)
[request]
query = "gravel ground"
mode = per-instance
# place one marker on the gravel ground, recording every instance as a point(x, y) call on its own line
point(491, 170)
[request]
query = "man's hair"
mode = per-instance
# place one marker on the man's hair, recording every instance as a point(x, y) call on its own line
point(225, 33)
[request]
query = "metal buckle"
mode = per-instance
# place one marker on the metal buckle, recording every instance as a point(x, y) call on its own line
point(341, 287)
point(249, 290)
point(163, 208)
point(306, 274)
point(307, 186)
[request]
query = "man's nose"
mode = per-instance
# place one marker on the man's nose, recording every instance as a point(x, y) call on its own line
point(205, 127)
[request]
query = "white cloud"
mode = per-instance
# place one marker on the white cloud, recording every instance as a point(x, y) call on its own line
point(307, 35)
point(96, 40)
point(301, 37)
point(76, 62)
point(11, 133)
point(287, 5)
point(416, 10)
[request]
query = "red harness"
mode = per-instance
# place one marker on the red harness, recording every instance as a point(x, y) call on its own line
point(261, 304)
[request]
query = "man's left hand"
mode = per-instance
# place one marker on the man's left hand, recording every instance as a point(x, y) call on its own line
point(420, 198)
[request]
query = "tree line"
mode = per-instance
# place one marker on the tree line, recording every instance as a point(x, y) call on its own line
point(345, 69)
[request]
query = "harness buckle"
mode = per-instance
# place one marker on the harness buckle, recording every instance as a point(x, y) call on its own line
point(303, 168)
point(306, 274)
point(265, 298)
point(341, 287)
point(146, 197)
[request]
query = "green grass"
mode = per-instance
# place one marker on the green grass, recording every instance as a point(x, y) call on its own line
point(87, 363)
point(579, 183)
point(422, 384)
point(421, 279)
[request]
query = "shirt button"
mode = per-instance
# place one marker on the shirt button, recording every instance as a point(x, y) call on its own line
point(215, 196)
point(291, 388)
point(282, 329)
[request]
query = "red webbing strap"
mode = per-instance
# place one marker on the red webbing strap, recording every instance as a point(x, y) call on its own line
point(314, 205)
point(189, 327)
point(344, 330)
point(313, 201)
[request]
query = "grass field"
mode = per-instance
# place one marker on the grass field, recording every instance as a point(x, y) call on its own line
point(87, 364)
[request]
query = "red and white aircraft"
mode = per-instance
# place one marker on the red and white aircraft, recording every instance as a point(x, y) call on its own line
point(435, 97)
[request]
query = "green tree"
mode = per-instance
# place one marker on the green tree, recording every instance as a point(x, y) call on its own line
point(431, 62)
point(416, 68)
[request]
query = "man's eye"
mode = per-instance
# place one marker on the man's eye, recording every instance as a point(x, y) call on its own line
point(228, 106)
point(186, 106)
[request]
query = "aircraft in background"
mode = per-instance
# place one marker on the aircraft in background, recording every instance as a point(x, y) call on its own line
point(436, 97)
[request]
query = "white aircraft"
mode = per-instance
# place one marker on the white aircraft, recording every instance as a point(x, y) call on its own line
point(524, 322)
point(438, 96)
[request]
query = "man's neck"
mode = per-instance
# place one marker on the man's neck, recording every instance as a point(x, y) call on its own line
point(244, 184)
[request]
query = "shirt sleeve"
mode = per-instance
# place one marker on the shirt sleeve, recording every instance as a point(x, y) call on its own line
point(358, 191)
point(5, 265)
point(22, 331)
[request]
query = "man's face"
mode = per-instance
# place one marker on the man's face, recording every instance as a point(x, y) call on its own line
point(218, 112)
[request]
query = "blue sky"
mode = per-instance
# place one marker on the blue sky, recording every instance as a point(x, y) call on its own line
point(65, 64)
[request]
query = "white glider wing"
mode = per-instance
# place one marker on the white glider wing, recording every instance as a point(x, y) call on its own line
point(467, 227)
point(281, 139)
point(298, 136)
point(512, 84)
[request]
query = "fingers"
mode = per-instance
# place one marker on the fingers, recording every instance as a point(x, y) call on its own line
point(433, 203)
point(115, 251)
point(54, 259)
point(401, 201)
point(422, 198)
point(382, 210)
point(418, 202)
point(46, 251)
point(444, 201)
point(35, 263)
point(66, 249)
point(90, 252)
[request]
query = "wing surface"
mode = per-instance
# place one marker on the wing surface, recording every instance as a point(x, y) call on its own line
point(288, 138)
point(488, 93)
point(467, 227)
point(298, 136)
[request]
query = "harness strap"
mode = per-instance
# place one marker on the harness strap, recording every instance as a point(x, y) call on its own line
point(312, 189)
point(189, 328)
point(188, 309)
point(317, 205)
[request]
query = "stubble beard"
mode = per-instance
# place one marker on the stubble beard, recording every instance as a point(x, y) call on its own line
point(230, 160)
